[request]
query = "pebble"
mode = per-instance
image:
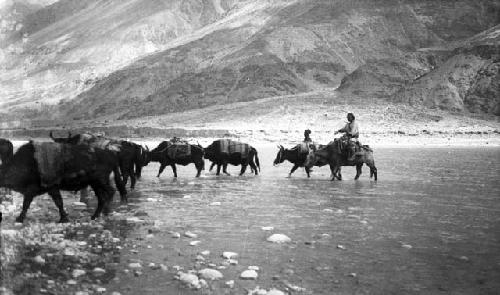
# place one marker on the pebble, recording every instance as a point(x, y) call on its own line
point(194, 243)
point(205, 253)
point(406, 246)
point(135, 220)
point(215, 204)
point(275, 292)
point(200, 258)
point(163, 267)
point(190, 235)
point(101, 290)
point(190, 279)
point(232, 261)
point(79, 205)
point(187, 197)
point(71, 282)
point(353, 274)
point(78, 272)
point(253, 267)
point(279, 238)
point(176, 235)
point(267, 228)
point(134, 265)
point(328, 210)
point(116, 293)
point(229, 255)
point(230, 284)
point(99, 271)
point(464, 258)
point(69, 252)
point(341, 247)
point(210, 274)
point(249, 274)
point(39, 259)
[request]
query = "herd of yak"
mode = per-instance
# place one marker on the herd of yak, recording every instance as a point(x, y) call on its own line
point(76, 162)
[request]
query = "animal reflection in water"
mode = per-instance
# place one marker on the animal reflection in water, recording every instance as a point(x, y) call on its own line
point(334, 155)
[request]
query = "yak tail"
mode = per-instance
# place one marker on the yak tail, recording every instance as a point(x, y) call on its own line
point(257, 159)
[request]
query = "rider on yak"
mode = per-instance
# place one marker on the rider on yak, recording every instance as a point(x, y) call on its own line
point(350, 137)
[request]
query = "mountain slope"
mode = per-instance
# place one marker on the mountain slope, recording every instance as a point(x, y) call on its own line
point(70, 44)
point(131, 58)
point(468, 80)
point(294, 48)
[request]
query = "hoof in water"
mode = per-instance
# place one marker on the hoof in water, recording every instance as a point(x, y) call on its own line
point(64, 219)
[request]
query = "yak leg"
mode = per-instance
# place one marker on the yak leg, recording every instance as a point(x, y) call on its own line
point(100, 193)
point(224, 168)
point(333, 172)
point(110, 191)
point(174, 169)
point(253, 167)
point(199, 167)
point(84, 195)
point(120, 185)
point(57, 198)
point(373, 169)
point(218, 168)
point(162, 167)
point(243, 169)
point(295, 167)
point(132, 178)
point(358, 171)
point(27, 199)
point(211, 166)
point(308, 171)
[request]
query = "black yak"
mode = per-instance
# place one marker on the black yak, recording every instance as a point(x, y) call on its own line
point(182, 153)
point(297, 156)
point(129, 153)
point(48, 167)
point(225, 151)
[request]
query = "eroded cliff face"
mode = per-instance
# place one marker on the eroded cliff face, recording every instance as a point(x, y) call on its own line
point(124, 59)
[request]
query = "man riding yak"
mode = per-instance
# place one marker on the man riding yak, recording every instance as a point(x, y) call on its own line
point(350, 137)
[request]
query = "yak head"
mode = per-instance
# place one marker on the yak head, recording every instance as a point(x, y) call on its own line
point(145, 156)
point(209, 152)
point(280, 157)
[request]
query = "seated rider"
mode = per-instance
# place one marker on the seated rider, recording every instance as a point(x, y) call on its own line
point(351, 135)
point(307, 139)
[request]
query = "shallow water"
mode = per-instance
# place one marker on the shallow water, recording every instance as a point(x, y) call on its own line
point(431, 224)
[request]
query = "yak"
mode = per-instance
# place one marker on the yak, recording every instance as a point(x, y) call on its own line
point(129, 153)
point(168, 153)
point(297, 156)
point(6, 153)
point(336, 157)
point(225, 151)
point(37, 168)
